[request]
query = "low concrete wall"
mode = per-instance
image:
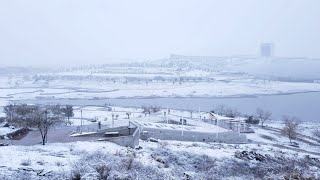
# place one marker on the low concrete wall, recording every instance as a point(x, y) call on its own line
point(130, 141)
point(123, 130)
point(223, 137)
point(128, 136)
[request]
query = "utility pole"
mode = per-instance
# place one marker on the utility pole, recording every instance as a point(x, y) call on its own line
point(112, 122)
point(167, 115)
point(182, 124)
point(81, 122)
point(46, 138)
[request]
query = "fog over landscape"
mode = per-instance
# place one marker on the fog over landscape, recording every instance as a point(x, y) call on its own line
point(170, 89)
point(62, 32)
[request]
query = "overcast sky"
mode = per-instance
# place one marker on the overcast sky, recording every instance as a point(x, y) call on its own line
point(57, 32)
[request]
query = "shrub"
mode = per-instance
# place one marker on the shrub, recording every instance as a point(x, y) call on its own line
point(130, 163)
point(71, 147)
point(232, 113)
point(100, 165)
point(40, 162)
point(21, 175)
point(103, 171)
point(163, 144)
point(59, 163)
point(183, 161)
point(151, 109)
point(252, 120)
point(26, 162)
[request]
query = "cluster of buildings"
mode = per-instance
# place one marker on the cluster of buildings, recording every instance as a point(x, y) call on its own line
point(210, 128)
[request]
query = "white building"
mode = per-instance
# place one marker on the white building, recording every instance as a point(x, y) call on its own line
point(267, 50)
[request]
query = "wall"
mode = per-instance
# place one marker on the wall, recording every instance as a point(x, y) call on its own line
point(223, 137)
point(130, 141)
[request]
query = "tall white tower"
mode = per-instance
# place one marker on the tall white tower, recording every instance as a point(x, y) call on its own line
point(267, 50)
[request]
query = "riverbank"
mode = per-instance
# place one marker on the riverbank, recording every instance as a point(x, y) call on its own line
point(303, 105)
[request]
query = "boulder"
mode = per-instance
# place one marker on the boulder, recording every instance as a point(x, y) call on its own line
point(252, 155)
point(6, 124)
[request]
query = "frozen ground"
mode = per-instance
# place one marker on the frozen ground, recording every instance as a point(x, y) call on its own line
point(96, 90)
point(174, 159)
point(163, 159)
point(175, 77)
point(171, 159)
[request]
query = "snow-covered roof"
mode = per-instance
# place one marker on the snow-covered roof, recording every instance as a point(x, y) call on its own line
point(210, 115)
point(211, 129)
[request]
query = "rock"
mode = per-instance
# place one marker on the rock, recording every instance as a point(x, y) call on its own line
point(153, 140)
point(188, 175)
point(6, 125)
point(245, 155)
point(259, 157)
point(294, 144)
point(43, 173)
point(26, 169)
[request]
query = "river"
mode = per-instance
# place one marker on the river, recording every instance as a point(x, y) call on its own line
point(302, 105)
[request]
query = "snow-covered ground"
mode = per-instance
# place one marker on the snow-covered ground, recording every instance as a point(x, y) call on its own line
point(63, 160)
point(96, 89)
point(182, 77)
point(5, 130)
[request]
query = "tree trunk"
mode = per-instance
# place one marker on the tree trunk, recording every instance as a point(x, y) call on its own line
point(43, 140)
point(46, 135)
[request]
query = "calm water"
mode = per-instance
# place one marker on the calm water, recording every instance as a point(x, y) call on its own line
point(305, 106)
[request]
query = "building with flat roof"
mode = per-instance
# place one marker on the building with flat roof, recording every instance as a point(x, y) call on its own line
point(267, 50)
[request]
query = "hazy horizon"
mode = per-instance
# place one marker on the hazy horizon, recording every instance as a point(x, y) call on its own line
point(45, 33)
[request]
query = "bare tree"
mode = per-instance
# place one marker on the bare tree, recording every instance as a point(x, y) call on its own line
point(45, 118)
point(150, 109)
point(42, 118)
point(220, 109)
point(155, 109)
point(232, 113)
point(146, 109)
point(20, 115)
point(290, 128)
point(263, 116)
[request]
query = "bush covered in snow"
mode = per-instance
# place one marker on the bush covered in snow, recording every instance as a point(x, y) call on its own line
point(100, 165)
point(165, 160)
point(252, 120)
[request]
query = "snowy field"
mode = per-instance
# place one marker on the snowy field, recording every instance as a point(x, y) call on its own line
point(259, 158)
point(175, 77)
point(161, 160)
point(182, 77)
point(94, 89)
point(268, 153)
